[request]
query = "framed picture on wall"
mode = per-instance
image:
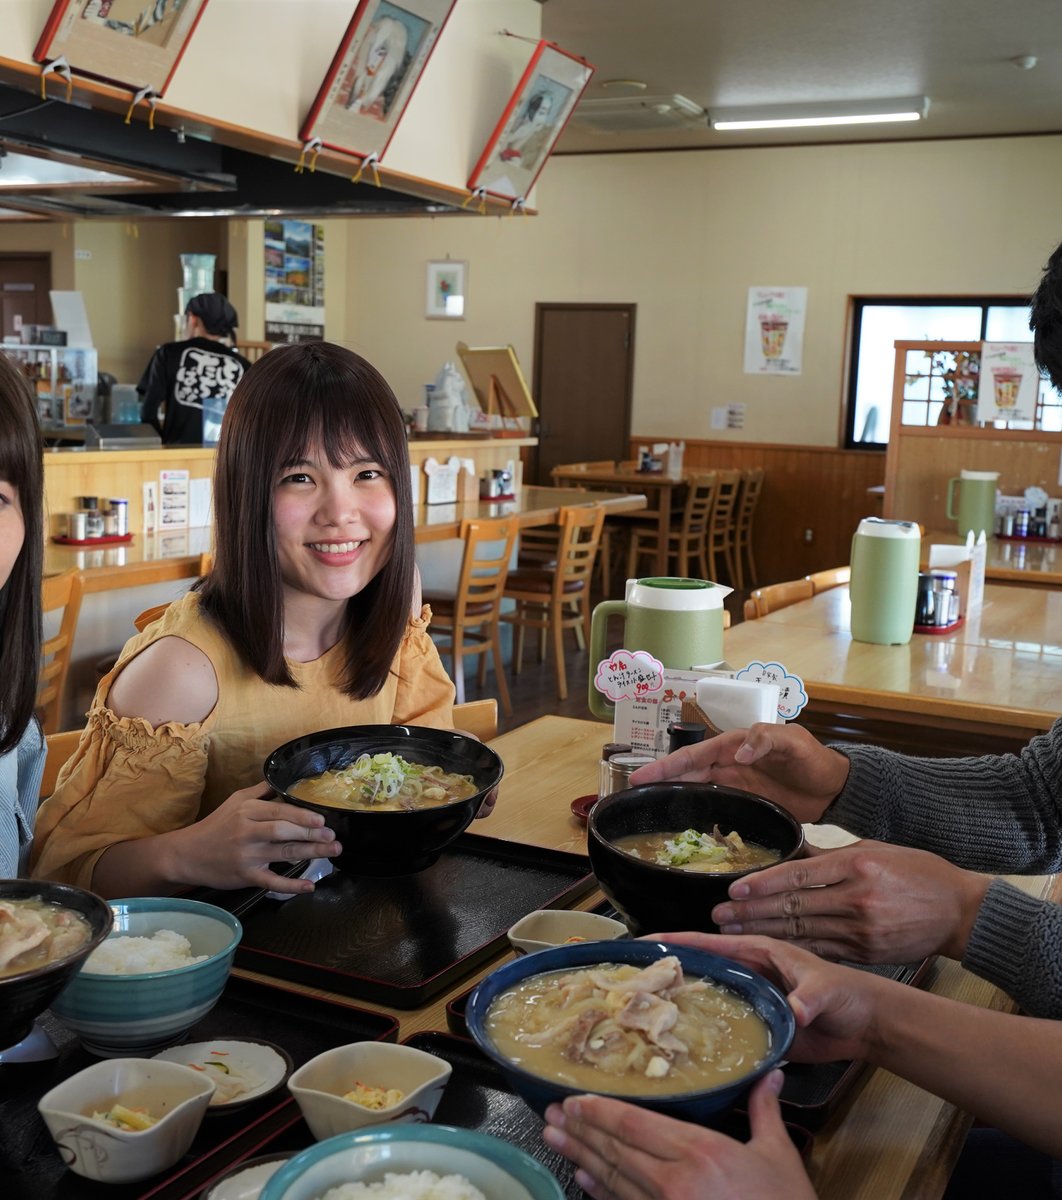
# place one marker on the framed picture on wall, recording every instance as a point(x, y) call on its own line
point(133, 43)
point(373, 74)
point(534, 118)
point(446, 290)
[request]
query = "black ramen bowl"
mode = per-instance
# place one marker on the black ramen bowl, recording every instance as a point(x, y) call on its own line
point(388, 843)
point(656, 899)
point(26, 995)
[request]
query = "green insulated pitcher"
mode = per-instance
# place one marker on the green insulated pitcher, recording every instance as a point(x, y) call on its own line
point(884, 585)
point(977, 502)
point(678, 621)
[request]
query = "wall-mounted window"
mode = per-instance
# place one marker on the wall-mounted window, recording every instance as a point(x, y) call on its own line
point(878, 322)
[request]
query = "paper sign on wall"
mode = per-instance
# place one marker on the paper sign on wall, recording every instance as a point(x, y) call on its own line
point(774, 330)
point(1009, 382)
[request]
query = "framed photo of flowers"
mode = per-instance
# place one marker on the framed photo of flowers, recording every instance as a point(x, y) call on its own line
point(446, 290)
point(534, 118)
point(374, 72)
point(132, 43)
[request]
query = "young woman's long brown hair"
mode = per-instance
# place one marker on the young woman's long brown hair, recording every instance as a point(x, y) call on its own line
point(292, 399)
point(21, 464)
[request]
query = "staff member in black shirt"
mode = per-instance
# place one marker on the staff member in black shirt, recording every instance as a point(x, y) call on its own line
point(183, 375)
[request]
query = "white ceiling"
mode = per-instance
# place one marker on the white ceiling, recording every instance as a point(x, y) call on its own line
point(739, 53)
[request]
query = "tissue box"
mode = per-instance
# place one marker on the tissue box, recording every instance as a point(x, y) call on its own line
point(442, 480)
point(968, 563)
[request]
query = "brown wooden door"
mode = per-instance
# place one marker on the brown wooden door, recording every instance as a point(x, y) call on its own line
point(584, 363)
point(25, 280)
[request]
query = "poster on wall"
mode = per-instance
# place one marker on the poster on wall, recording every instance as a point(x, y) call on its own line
point(294, 281)
point(774, 330)
point(1009, 382)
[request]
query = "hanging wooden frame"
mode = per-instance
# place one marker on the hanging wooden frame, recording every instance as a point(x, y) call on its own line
point(533, 120)
point(132, 43)
point(374, 73)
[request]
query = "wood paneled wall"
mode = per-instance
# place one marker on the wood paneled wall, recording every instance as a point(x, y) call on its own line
point(805, 487)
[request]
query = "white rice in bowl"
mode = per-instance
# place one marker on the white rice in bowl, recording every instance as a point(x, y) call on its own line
point(165, 950)
point(410, 1185)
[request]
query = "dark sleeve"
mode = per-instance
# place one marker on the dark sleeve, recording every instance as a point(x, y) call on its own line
point(153, 390)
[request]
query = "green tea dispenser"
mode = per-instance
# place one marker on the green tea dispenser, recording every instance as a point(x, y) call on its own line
point(884, 583)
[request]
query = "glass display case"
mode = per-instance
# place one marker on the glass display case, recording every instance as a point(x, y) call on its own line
point(65, 378)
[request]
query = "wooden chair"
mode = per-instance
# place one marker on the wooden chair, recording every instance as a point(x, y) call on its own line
point(749, 498)
point(60, 747)
point(822, 581)
point(252, 351)
point(59, 593)
point(567, 475)
point(777, 595)
point(477, 717)
point(687, 540)
point(556, 596)
point(472, 613)
point(722, 525)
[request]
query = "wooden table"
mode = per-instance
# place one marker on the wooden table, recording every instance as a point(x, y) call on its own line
point(1016, 561)
point(660, 487)
point(1000, 672)
point(893, 1140)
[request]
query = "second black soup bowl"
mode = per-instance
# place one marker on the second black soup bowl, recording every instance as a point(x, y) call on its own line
point(656, 899)
point(388, 843)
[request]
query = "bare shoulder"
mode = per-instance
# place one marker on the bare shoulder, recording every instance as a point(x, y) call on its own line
point(171, 680)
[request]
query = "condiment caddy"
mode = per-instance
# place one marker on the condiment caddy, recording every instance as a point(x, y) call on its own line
point(91, 525)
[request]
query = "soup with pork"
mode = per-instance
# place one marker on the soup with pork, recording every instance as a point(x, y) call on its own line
point(384, 783)
point(692, 850)
point(35, 933)
point(630, 1031)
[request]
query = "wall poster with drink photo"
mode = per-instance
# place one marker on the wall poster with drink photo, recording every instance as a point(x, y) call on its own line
point(774, 330)
point(1009, 383)
point(294, 281)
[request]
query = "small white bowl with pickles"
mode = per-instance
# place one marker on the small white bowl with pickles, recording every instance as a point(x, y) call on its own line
point(548, 927)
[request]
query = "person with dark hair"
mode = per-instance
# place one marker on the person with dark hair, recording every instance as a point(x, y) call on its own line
point(182, 376)
point(1045, 319)
point(310, 619)
point(21, 556)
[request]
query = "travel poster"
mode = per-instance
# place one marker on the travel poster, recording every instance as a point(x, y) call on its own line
point(774, 330)
point(294, 281)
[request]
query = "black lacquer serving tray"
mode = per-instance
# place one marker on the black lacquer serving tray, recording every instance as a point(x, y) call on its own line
point(402, 940)
point(811, 1091)
point(30, 1165)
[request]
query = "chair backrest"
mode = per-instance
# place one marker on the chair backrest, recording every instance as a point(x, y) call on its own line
point(252, 351)
point(484, 566)
point(60, 747)
point(822, 581)
point(58, 593)
point(700, 497)
point(580, 536)
point(778, 595)
point(728, 484)
point(478, 717)
point(751, 487)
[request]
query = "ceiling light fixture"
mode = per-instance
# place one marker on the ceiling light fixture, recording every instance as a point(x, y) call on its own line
point(801, 116)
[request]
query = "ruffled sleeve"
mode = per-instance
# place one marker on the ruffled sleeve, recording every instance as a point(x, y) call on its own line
point(126, 780)
point(425, 693)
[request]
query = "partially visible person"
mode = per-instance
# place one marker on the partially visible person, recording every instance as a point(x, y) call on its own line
point(21, 554)
point(309, 619)
point(1002, 1068)
point(182, 376)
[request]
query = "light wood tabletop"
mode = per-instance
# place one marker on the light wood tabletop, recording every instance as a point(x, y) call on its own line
point(1002, 668)
point(1019, 561)
point(892, 1140)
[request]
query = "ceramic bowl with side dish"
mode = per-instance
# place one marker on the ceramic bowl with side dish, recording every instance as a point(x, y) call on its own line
point(172, 1096)
point(387, 842)
point(594, 1028)
point(546, 927)
point(658, 899)
point(29, 985)
point(500, 1171)
point(154, 1006)
point(415, 1078)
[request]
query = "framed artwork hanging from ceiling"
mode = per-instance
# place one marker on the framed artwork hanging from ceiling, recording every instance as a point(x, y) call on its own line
point(133, 43)
point(373, 74)
point(533, 120)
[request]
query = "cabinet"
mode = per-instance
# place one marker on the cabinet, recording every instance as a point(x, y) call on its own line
point(65, 378)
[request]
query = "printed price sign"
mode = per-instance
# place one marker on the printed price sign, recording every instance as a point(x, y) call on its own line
point(791, 694)
point(629, 676)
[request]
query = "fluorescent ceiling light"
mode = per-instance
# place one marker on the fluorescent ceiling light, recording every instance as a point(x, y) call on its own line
point(802, 116)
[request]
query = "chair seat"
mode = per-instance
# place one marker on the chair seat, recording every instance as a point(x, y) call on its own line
point(541, 583)
point(443, 606)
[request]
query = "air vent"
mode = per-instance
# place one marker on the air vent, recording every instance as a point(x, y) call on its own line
point(638, 114)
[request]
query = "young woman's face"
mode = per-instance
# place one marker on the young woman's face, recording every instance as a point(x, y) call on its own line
point(12, 529)
point(333, 525)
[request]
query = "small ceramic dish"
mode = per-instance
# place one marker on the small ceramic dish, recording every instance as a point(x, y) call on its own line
point(242, 1070)
point(548, 927)
point(582, 805)
point(175, 1095)
point(319, 1086)
point(246, 1180)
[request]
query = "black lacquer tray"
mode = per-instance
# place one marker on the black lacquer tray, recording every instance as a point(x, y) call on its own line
point(402, 940)
point(811, 1091)
point(30, 1165)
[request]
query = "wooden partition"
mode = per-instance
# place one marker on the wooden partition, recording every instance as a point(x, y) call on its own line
point(816, 488)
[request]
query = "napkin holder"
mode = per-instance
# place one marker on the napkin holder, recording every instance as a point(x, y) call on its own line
point(967, 560)
point(442, 480)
